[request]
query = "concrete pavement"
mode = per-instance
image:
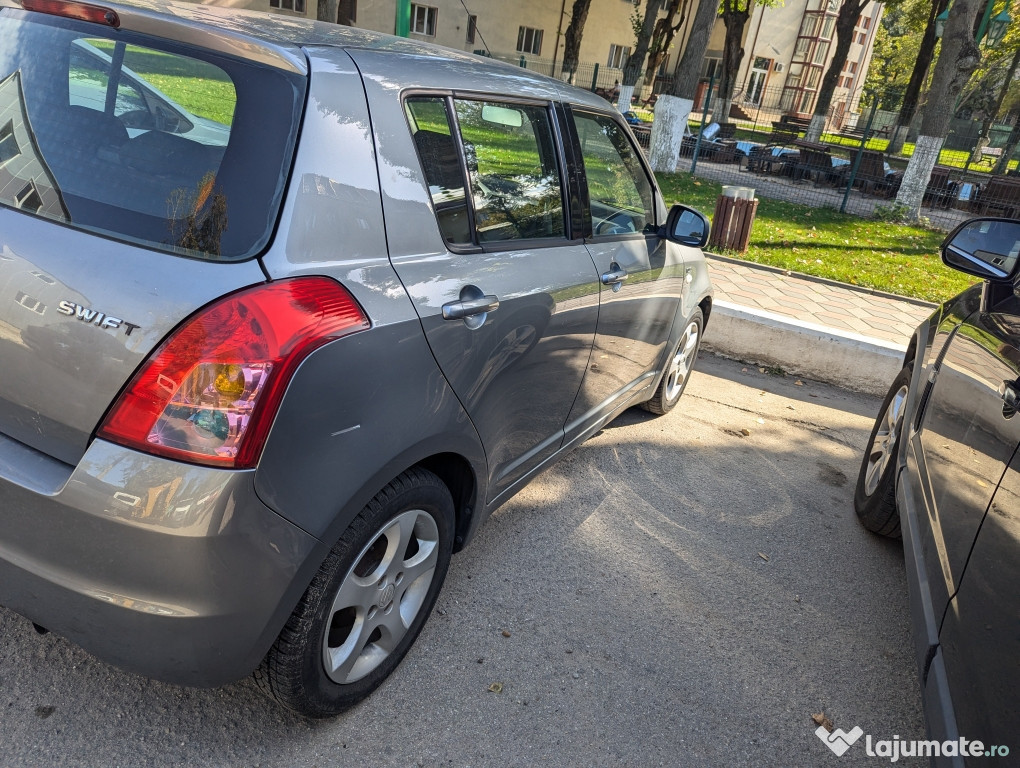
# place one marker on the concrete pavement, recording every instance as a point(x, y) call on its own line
point(841, 334)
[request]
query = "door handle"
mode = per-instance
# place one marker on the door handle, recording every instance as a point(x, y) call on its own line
point(458, 310)
point(1010, 396)
point(614, 276)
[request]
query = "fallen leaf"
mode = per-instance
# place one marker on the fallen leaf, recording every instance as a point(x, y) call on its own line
point(822, 720)
point(495, 688)
point(745, 432)
point(763, 556)
point(799, 383)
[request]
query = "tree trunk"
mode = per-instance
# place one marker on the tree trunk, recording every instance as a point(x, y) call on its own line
point(572, 37)
point(636, 62)
point(993, 112)
point(956, 63)
point(1007, 151)
point(672, 109)
point(912, 95)
point(326, 10)
point(846, 20)
point(347, 11)
point(662, 37)
point(735, 19)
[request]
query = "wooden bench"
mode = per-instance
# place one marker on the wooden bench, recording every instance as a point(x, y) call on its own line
point(856, 133)
point(1000, 196)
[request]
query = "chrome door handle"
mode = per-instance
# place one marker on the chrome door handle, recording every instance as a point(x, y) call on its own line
point(458, 310)
point(614, 276)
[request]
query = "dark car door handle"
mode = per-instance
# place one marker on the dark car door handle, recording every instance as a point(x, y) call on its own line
point(458, 310)
point(614, 276)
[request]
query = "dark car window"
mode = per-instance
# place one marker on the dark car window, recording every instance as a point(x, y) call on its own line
point(146, 141)
point(621, 196)
point(515, 179)
point(509, 150)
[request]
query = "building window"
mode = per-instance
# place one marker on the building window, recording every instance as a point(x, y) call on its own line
point(529, 40)
point(29, 199)
point(618, 55)
point(423, 20)
point(288, 5)
point(8, 144)
point(471, 29)
point(861, 38)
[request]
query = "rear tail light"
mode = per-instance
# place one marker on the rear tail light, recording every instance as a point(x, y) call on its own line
point(210, 392)
point(74, 10)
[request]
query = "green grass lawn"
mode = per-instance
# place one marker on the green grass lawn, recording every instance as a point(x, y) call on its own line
point(896, 258)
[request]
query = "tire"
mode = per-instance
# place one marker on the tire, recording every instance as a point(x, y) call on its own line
point(875, 494)
point(367, 603)
point(679, 367)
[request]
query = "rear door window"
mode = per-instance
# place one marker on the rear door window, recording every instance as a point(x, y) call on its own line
point(144, 140)
point(509, 153)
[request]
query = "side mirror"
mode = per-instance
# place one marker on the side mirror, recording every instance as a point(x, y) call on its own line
point(985, 248)
point(687, 226)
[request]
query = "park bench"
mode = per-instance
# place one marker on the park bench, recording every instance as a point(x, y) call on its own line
point(1000, 196)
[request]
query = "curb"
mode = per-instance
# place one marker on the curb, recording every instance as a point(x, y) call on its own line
point(840, 358)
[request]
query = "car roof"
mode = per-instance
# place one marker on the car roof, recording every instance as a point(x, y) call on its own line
point(233, 29)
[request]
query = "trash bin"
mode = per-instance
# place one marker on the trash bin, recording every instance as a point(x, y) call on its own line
point(734, 216)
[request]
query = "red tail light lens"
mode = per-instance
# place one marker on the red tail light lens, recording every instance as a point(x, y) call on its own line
point(73, 10)
point(210, 393)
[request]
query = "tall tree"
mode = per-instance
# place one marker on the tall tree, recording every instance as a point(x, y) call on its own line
point(673, 108)
point(572, 37)
point(635, 62)
point(735, 15)
point(846, 20)
point(665, 30)
point(912, 94)
point(957, 60)
point(986, 93)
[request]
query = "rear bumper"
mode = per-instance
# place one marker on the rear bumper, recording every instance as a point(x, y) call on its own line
point(175, 572)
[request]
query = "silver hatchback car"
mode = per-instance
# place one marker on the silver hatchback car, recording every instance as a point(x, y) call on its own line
point(286, 310)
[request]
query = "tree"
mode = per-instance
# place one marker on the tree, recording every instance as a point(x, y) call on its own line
point(735, 15)
point(665, 30)
point(986, 93)
point(572, 37)
point(632, 69)
point(673, 108)
point(957, 60)
point(922, 63)
point(846, 20)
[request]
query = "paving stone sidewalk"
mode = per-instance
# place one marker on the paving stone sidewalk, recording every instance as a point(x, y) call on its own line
point(822, 302)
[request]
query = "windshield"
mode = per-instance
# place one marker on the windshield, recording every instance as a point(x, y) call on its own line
point(142, 139)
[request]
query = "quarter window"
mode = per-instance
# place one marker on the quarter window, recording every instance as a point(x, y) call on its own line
point(423, 20)
point(529, 40)
point(619, 192)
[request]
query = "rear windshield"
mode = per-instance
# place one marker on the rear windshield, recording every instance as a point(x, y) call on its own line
point(142, 139)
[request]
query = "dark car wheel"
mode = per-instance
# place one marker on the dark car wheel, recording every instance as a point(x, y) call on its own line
point(875, 495)
point(679, 367)
point(367, 603)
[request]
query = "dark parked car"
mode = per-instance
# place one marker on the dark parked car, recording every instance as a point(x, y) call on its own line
point(942, 470)
point(279, 334)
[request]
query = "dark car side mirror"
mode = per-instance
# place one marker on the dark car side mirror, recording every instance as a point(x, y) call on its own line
point(986, 248)
point(687, 226)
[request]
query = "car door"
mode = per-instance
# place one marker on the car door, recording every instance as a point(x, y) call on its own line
point(642, 275)
point(510, 308)
point(967, 434)
point(980, 636)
